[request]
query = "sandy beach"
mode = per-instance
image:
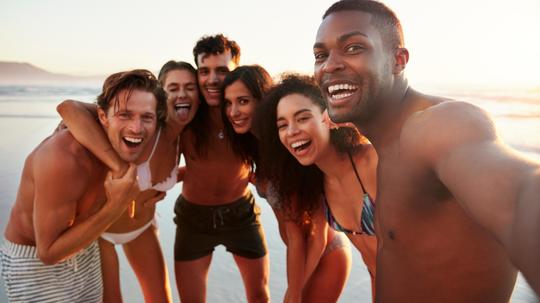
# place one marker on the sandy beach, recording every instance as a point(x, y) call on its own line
point(22, 132)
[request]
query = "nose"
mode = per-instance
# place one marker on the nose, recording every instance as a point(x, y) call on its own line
point(212, 77)
point(332, 63)
point(234, 110)
point(292, 129)
point(182, 93)
point(135, 125)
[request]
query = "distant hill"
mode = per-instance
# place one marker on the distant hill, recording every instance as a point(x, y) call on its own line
point(19, 73)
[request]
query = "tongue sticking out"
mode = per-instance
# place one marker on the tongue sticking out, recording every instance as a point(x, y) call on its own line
point(182, 112)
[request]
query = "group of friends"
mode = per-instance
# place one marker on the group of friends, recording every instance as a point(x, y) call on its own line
point(439, 208)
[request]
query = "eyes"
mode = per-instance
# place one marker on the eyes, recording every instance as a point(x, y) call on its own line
point(220, 71)
point(349, 50)
point(241, 101)
point(302, 118)
point(175, 88)
point(126, 115)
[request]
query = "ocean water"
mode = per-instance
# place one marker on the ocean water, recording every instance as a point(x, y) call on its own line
point(28, 115)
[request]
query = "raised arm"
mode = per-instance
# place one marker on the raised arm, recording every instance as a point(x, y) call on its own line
point(498, 187)
point(81, 120)
point(61, 181)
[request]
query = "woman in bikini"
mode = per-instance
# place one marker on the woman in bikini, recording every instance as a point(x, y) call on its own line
point(318, 258)
point(136, 230)
point(293, 128)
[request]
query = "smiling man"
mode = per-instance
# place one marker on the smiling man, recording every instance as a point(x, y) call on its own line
point(457, 211)
point(216, 207)
point(66, 200)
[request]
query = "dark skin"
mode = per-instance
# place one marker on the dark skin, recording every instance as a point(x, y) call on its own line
point(457, 209)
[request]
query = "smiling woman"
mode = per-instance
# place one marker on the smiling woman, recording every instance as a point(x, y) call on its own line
point(157, 171)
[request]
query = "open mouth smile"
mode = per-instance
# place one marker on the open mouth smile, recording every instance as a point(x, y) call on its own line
point(341, 90)
point(132, 142)
point(300, 145)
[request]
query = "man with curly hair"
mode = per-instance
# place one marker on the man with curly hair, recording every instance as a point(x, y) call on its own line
point(216, 207)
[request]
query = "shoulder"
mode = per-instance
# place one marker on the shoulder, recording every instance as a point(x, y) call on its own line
point(62, 154)
point(366, 156)
point(444, 126)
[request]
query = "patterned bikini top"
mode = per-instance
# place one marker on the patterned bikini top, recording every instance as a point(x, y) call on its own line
point(368, 212)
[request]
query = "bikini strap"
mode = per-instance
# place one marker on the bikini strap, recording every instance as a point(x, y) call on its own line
point(155, 144)
point(356, 172)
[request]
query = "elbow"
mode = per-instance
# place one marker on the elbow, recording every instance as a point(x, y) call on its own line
point(64, 106)
point(48, 258)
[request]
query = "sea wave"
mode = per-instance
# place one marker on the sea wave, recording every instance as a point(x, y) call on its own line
point(29, 116)
point(45, 90)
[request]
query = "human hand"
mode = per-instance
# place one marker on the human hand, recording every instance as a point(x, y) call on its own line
point(121, 172)
point(181, 174)
point(160, 195)
point(61, 125)
point(122, 191)
point(332, 125)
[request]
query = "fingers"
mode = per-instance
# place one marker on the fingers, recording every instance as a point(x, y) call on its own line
point(131, 172)
point(152, 201)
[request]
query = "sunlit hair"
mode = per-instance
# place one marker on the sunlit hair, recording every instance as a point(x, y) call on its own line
point(258, 81)
point(214, 45)
point(197, 126)
point(139, 79)
point(287, 175)
point(174, 65)
point(383, 18)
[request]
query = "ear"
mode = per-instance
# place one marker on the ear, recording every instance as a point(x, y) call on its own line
point(401, 58)
point(102, 115)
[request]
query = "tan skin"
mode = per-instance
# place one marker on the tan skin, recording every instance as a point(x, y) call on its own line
point(216, 179)
point(300, 119)
point(144, 252)
point(457, 209)
point(66, 199)
point(318, 278)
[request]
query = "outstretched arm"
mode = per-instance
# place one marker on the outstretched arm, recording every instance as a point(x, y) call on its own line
point(296, 256)
point(81, 120)
point(498, 187)
point(316, 241)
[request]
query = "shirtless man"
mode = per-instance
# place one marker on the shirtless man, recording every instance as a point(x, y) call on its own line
point(456, 208)
point(215, 206)
point(66, 199)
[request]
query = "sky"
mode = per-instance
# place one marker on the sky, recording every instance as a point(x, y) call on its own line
point(455, 43)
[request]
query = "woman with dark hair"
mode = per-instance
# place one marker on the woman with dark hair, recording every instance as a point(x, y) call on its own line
point(338, 163)
point(136, 230)
point(318, 260)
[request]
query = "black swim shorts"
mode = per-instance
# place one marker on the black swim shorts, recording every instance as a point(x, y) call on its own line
point(200, 228)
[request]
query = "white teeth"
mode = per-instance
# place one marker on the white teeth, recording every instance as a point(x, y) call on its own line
point(341, 96)
point(299, 143)
point(213, 90)
point(344, 86)
point(133, 140)
point(183, 105)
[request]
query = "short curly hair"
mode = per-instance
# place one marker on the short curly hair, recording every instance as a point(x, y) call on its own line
point(217, 44)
